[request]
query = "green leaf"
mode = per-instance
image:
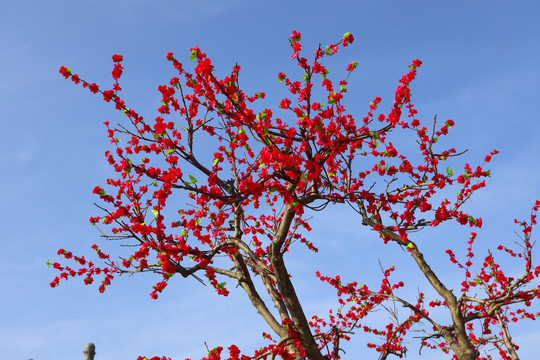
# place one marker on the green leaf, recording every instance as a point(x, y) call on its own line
point(169, 151)
point(155, 212)
point(471, 219)
point(48, 263)
point(193, 55)
point(342, 88)
point(184, 232)
point(272, 189)
point(216, 160)
point(128, 169)
point(328, 51)
point(221, 285)
point(449, 171)
point(267, 141)
point(346, 34)
point(193, 180)
point(410, 245)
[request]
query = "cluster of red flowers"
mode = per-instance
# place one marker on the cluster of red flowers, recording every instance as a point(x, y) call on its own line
point(262, 159)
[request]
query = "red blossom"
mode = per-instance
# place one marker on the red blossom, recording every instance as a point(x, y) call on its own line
point(65, 71)
point(348, 38)
point(295, 36)
point(285, 104)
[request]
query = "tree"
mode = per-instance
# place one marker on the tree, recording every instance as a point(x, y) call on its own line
point(248, 202)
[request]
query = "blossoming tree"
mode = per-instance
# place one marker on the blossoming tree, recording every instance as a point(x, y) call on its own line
point(247, 202)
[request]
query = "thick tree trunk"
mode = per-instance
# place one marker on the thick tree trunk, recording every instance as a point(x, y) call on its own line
point(286, 287)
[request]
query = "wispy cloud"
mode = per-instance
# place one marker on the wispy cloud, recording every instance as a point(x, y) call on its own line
point(19, 156)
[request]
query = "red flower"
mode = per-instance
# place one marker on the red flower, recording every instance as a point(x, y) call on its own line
point(108, 95)
point(204, 68)
point(65, 71)
point(93, 88)
point(234, 352)
point(295, 36)
point(285, 104)
point(352, 66)
point(348, 38)
point(391, 151)
point(75, 78)
point(117, 58)
point(117, 71)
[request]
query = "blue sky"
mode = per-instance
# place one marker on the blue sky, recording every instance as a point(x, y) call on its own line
point(481, 69)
